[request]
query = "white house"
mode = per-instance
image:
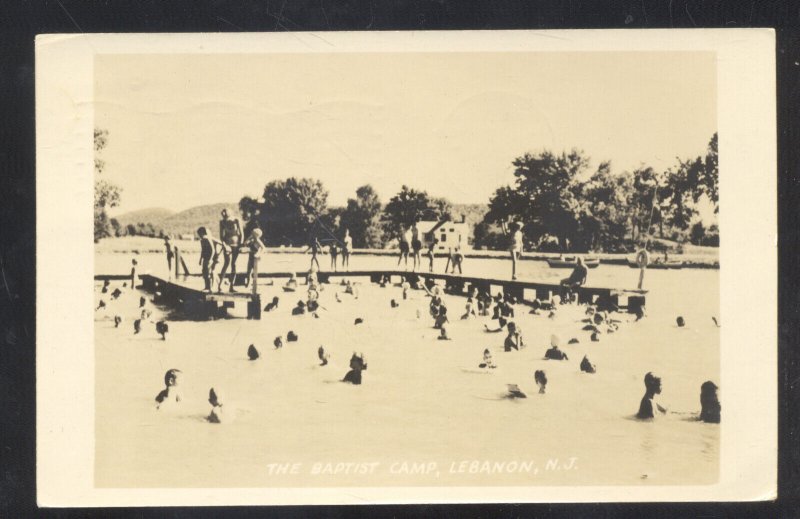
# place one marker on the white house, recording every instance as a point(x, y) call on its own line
point(448, 233)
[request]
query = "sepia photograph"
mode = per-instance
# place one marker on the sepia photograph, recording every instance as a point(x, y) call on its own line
point(408, 267)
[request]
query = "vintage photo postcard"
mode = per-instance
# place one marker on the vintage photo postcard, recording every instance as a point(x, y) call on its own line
point(424, 267)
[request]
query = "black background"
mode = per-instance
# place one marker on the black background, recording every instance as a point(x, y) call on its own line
point(20, 21)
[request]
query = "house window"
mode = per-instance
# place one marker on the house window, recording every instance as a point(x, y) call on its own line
point(444, 237)
point(452, 229)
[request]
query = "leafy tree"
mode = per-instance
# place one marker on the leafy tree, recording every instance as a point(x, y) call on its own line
point(645, 208)
point(289, 211)
point(409, 206)
point(709, 175)
point(604, 206)
point(106, 194)
point(362, 218)
point(505, 206)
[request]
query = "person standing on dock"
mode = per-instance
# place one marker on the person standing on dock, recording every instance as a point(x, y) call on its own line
point(516, 247)
point(416, 246)
point(170, 255)
point(347, 248)
point(230, 232)
point(334, 252)
point(405, 238)
point(255, 245)
point(314, 246)
point(210, 249)
point(431, 247)
point(643, 259)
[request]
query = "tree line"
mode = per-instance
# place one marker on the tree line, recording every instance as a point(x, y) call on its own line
point(561, 204)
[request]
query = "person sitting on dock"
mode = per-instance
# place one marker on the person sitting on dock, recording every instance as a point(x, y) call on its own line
point(357, 364)
point(230, 232)
point(291, 285)
point(210, 249)
point(709, 403)
point(255, 246)
point(575, 280)
point(649, 408)
point(106, 285)
point(514, 338)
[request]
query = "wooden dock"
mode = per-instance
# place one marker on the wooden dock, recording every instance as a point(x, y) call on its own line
point(182, 292)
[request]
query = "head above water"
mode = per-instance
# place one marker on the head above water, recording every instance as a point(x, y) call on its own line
point(172, 377)
point(555, 341)
point(652, 383)
point(215, 397)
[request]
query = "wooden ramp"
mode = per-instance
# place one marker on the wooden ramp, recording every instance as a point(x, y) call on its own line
point(183, 293)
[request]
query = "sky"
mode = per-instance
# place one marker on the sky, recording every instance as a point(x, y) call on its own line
point(186, 130)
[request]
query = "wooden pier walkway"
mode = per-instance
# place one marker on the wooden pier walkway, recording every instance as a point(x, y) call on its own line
point(184, 292)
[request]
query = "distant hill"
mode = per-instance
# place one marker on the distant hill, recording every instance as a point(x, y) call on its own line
point(149, 215)
point(183, 222)
point(187, 221)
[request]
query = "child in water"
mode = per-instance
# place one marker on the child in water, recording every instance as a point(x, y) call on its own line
point(170, 394)
point(357, 364)
point(513, 339)
point(487, 363)
point(541, 380)
point(649, 408)
point(709, 403)
point(215, 399)
point(587, 366)
point(441, 319)
point(469, 309)
point(291, 285)
point(554, 353)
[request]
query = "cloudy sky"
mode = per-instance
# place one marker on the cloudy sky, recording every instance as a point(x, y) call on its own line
point(186, 130)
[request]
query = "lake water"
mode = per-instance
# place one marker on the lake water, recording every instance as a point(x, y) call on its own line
point(424, 406)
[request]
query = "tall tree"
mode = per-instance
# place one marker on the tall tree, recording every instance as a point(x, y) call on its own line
point(604, 206)
point(106, 194)
point(362, 218)
point(289, 210)
point(409, 206)
point(548, 183)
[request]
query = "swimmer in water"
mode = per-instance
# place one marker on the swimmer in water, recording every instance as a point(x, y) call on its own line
point(357, 364)
point(469, 309)
point(162, 328)
point(291, 285)
point(587, 366)
point(515, 392)
point(554, 353)
point(300, 309)
point(443, 334)
point(323, 356)
point(170, 393)
point(513, 339)
point(273, 305)
point(541, 380)
point(252, 352)
point(649, 408)
point(215, 399)
point(487, 363)
point(441, 319)
point(709, 403)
